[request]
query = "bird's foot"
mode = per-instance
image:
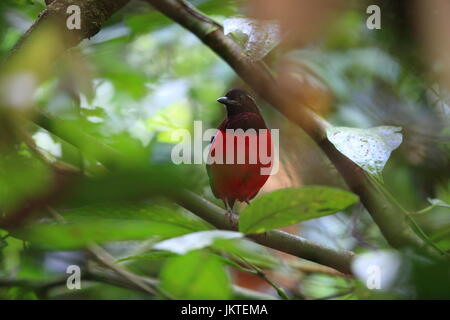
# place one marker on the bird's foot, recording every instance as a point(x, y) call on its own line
point(231, 216)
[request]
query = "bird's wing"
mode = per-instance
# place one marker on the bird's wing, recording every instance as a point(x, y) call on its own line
point(208, 166)
point(211, 180)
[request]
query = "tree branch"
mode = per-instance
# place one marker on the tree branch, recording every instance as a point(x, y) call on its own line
point(386, 214)
point(93, 15)
point(282, 241)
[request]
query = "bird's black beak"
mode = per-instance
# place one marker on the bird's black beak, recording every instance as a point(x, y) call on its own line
point(227, 101)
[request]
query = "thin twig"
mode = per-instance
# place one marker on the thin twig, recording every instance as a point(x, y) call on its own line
point(314, 268)
point(264, 276)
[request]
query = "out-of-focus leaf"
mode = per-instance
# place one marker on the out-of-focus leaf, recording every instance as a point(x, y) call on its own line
point(291, 205)
point(124, 77)
point(129, 185)
point(320, 286)
point(153, 20)
point(363, 64)
point(152, 255)
point(430, 278)
point(438, 203)
point(174, 117)
point(197, 275)
point(251, 251)
point(262, 36)
point(196, 240)
point(102, 223)
point(21, 178)
point(368, 148)
point(442, 237)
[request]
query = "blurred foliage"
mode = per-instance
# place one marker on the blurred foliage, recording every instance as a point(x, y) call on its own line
point(108, 108)
point(199, 275)
point(109, 223)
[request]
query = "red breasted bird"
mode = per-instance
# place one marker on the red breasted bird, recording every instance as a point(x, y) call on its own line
point(236, 179)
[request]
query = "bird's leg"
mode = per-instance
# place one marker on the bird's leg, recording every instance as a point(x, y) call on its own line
point(230, 212)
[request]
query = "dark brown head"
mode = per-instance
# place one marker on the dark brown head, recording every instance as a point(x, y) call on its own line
point(237, 101)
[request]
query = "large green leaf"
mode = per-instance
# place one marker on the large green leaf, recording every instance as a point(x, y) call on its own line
point(197, 275)
point(110, 223)
point(288, 206)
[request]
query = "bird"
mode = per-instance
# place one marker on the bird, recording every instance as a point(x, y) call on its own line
point(237, 181)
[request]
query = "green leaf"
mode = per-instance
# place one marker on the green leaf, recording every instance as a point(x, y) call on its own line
point(195, 240)
point(21, 178)
point(288, 206)
point(251, 251)
point(110, 223)
point(442, 237)
point(197, 275)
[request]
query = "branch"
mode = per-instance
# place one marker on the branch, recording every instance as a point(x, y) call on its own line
point(386, 214)
point(309, 268)
point(93, 15)
point(282, 241)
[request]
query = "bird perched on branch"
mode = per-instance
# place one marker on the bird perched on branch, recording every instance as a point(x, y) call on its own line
point(240, 156)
